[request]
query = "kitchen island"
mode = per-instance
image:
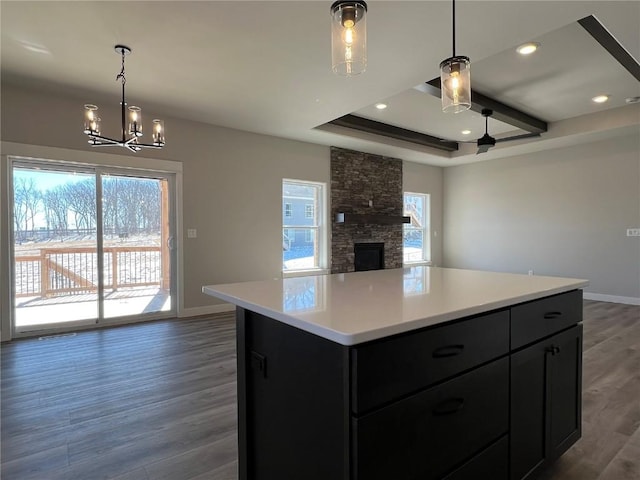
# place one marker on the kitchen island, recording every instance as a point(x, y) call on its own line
point(420, 372)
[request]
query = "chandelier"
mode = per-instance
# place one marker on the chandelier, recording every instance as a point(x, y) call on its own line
point(131, 134)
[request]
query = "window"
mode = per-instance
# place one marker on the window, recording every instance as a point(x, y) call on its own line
point(308, 210)
point(416, 247)
point(303, 228)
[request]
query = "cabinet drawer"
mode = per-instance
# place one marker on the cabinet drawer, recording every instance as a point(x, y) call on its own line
point(424, 436)
point(541, 318)
point(492, 463)
point(389, 369)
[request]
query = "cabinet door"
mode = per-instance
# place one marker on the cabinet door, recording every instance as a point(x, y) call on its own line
point(546, 384)
point(565, 392)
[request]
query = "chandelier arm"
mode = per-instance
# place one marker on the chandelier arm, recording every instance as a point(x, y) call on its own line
point(148, 145)
point(107, 140)
point(134, 141)
point(115, 144)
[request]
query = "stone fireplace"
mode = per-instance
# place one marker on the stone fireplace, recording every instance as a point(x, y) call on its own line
point(366, 208)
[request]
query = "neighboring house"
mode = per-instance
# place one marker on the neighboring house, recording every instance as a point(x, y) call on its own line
point(298, 211)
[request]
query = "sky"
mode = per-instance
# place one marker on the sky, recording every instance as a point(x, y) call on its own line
point(48, 179)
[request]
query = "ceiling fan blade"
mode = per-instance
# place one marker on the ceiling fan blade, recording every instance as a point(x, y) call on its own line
point(483, 148)
point(457, 141)
point(518, 137)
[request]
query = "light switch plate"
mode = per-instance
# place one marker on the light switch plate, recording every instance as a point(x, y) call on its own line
point(192, 233)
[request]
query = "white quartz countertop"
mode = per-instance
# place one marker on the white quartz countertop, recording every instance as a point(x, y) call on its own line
point(352, 308)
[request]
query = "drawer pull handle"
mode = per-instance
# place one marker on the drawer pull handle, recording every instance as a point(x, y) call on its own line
point(448, 351)
point(549, 315)
point(449, 406)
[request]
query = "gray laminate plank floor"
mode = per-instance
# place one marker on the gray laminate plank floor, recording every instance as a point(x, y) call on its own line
point(157, 401)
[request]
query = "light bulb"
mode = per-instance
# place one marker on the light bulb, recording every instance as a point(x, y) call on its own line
point(348, 36)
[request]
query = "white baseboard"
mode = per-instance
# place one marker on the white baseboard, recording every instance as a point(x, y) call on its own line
point(206, 310)
point(601, 297)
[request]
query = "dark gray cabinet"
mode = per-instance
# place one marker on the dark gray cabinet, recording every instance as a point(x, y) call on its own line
point(545, 401)
point(494, 396)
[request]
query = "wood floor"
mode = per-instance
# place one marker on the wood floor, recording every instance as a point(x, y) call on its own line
point(157, 401)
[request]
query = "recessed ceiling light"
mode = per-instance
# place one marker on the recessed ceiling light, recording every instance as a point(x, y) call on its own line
point(527, 48)
point(465, 132)
point(381, 106)
point(600, 98)
point(632, 100)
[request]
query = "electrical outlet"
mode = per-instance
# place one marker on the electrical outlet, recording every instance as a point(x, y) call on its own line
point(192, 233)
point(530, 272)
point(633, 232)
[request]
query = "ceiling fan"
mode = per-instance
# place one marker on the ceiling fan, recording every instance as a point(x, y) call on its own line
point(487, 141)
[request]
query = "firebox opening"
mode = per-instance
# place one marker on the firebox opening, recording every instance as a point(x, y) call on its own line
point(368, 256)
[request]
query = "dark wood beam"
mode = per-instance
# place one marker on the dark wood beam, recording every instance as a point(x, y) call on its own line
point(610, 44)
point(379, 128)
point(501, 112)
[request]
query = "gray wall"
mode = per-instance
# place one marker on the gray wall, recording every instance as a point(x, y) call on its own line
point(562, 212)
point(232, 181)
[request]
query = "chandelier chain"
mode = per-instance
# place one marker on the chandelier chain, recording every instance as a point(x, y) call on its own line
point(121, 74)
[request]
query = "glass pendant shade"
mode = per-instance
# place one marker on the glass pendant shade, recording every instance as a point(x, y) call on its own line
point(91, 120)
point(135, 121)
point(455, 81)
point(348, 37)
point(158, 132)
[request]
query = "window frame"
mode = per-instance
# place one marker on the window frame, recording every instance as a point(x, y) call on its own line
point(425, 230)
point(318, 228)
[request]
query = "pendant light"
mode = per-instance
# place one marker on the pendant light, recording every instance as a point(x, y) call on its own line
point(455, 82)
point(348, 37)
point(130, 135)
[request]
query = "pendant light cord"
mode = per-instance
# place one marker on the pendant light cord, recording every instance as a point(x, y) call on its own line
point(453, 19)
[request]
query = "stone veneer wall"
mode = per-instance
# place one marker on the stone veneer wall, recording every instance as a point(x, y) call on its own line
point(356, 179)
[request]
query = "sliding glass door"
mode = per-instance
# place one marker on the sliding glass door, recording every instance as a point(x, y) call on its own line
point(91, 245)
point(55, 247)
point(136, 241)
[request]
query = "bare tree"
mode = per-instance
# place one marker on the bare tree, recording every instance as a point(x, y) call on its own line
point(82, 203)
point(27, 200)
point(56, 206)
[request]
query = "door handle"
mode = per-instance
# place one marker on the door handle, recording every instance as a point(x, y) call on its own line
point(171, 244)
